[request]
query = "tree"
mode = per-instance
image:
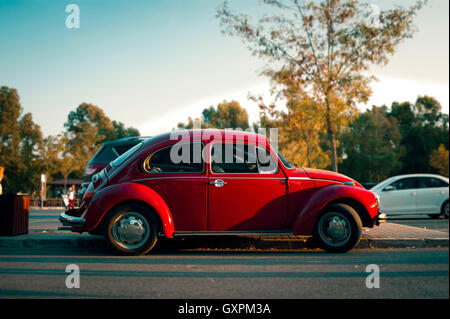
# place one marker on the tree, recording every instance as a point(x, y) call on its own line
point(328, 47)
point(423, 128)
point(371, 146)
point(299, 127)
point(225, 115)
point(69, 160)
point(439, 160)
point(19, 141)
point(86, 129)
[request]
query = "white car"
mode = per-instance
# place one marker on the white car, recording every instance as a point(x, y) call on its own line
point(413, 194)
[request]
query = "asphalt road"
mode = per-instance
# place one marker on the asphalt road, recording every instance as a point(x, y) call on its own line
point(404, 273)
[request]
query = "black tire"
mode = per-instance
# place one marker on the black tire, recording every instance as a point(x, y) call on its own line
point(444, 209)
point(345, 236)
point(131, 229)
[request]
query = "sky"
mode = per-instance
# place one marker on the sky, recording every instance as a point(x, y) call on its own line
point(152, 63)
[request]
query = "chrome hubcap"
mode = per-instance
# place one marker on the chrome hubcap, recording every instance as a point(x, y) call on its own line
point(334, 228)
point(131, 230)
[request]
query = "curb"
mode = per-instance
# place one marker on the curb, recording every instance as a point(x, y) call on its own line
point(214, 243)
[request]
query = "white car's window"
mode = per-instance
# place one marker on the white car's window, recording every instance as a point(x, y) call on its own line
point(405, 183)
point(431, 182)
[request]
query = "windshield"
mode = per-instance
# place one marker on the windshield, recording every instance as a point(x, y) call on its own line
point(125, 155)
point(285, 161)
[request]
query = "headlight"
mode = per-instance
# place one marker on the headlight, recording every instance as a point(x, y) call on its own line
point(378, 199)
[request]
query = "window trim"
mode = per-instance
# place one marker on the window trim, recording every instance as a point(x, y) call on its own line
point(235, 142)
point(174, 173)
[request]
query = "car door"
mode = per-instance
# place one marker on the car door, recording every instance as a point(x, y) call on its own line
point(400, 197)
point(431, 194)
point(183, 185)
point(245, 194)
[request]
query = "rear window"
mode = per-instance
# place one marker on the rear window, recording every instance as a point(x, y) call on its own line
point(431, 182)
point(104, 155)
point(120, 149)
point(125, 155)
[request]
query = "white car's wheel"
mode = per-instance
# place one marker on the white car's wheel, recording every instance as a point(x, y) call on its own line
point(445, 209)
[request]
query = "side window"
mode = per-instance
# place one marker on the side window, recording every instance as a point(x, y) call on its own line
point(241, 158)
point(430, 182)
point(233, 158)
point(267, 164)
point(171, 160)
point(405, 183)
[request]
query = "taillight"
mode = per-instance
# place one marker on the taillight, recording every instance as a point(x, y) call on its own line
point(90, 170)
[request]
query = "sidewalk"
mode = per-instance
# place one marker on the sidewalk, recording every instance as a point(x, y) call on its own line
point(387, 235)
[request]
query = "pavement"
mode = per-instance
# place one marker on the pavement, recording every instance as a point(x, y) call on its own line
point(387, 235)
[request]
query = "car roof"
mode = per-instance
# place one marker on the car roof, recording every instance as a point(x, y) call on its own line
point(125, 140)
point(397, 177)
point(206, 135)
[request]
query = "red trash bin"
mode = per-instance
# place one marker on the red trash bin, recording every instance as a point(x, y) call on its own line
point(14, 212)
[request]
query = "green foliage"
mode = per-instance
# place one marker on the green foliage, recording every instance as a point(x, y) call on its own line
point(408, 138)
point(225, 115)
point(371, 146)
point(86, 129)
point(423, 128)
point(19, 140)
point(25, 154)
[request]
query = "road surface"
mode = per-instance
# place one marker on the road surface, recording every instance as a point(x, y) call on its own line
point(404, 273)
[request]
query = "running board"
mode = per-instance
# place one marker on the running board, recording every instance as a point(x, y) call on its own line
point(282, 232)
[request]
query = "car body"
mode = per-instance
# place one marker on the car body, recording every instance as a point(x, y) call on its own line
point(414, 194)
point(233, 183)
point(108, 152)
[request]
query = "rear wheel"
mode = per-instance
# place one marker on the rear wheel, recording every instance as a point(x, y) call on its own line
point(131, 230)
point(338, 228)
point(444, 210)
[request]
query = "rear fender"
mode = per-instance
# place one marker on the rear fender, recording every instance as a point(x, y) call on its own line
point(113, 195)
point(310, 210)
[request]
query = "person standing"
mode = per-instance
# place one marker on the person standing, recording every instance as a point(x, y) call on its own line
point(71, 197)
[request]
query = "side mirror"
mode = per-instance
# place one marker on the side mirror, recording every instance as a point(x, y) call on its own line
point(388, 188)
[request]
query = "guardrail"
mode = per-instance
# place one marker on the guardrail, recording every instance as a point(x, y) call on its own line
point(52, 202)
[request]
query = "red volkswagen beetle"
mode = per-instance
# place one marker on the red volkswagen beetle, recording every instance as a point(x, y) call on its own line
point(218, 182)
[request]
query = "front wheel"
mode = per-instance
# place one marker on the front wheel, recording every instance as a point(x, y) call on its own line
point(131, 230)
point(338, 228)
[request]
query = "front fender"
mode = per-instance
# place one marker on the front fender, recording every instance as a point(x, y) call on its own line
point(310, 210)
point(110, 196)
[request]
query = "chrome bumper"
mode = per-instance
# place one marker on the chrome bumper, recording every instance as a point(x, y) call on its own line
point(69, 220)
point(381, 218)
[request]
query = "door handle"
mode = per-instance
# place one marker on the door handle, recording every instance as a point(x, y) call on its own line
point(218, 183)
point(414, 193)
